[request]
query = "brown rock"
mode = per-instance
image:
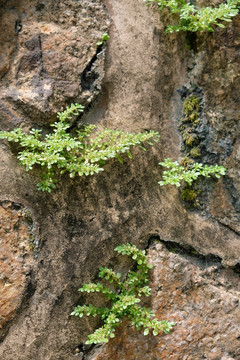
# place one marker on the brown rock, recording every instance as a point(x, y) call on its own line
point(45, 49)
point(52, 63)
point(200, 296)
point(16, 258)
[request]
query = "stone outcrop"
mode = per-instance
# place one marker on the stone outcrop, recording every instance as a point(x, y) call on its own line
point(18, 239)
point(47, 53)
point(200, 296)
point(135, 82)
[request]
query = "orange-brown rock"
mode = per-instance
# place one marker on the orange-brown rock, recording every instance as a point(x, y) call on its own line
point(16, 258)
point(202, 298)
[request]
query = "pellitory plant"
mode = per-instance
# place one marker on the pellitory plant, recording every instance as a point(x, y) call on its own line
point(125, 299)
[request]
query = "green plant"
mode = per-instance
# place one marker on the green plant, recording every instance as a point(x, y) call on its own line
point(105, 37)
point(81, 154)
point(125, 299)
point(192, 18)
point(177, 173)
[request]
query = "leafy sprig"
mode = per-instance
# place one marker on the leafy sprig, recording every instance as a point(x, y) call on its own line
point(177, 173)
point(105, 37)
point(192, 18)
point(82, 154)
point(125, 299)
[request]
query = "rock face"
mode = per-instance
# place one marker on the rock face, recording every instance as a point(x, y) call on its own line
point(17, 240)
point(135, 82)
point(49, 57)
point(200, 296)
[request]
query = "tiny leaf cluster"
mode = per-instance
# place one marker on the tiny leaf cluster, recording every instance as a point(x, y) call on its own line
point(105, 38)
point(176, 173)
point(82, 154)
point(125, 299)
point(192, 18)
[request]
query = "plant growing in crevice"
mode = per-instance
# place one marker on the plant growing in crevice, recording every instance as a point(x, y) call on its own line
point(125, 299)
point(105, 38)
point(193, 18)
point(82, 154)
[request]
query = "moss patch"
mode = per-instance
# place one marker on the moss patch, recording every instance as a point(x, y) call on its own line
point(186, 161)
point(191, 105)
point(189, 194)
point(195, 152)
point(188, 127)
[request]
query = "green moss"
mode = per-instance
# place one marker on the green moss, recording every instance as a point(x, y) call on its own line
point(28, 216)
point(191, 109)
point(191, 118)
point(182, 127)
point(188, 194)
point(190, 139)
point(186, 161)
point(191, 104)
point(194, 117)
point(195, 152)
point(31, 243)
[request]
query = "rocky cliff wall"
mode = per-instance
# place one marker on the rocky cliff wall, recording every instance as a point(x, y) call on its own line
point(137, 81)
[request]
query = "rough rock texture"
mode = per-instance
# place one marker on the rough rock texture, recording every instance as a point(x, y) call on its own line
point(47, 49)
point(214, 68)
point(17, 239)
point(201, 297)
point(53, 60)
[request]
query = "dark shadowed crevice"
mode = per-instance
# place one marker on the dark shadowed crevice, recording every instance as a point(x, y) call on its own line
point(89, 75)
point(189, 251)
point(191, 40)
point(182, 249)
point(82, 351)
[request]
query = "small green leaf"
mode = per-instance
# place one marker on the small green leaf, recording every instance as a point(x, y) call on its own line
point(146, 332)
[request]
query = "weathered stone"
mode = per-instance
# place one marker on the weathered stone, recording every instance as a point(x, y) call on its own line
point(82, 222)
point(16, 258)
point(45, 48)
point(200, 296)
point(214, 70)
